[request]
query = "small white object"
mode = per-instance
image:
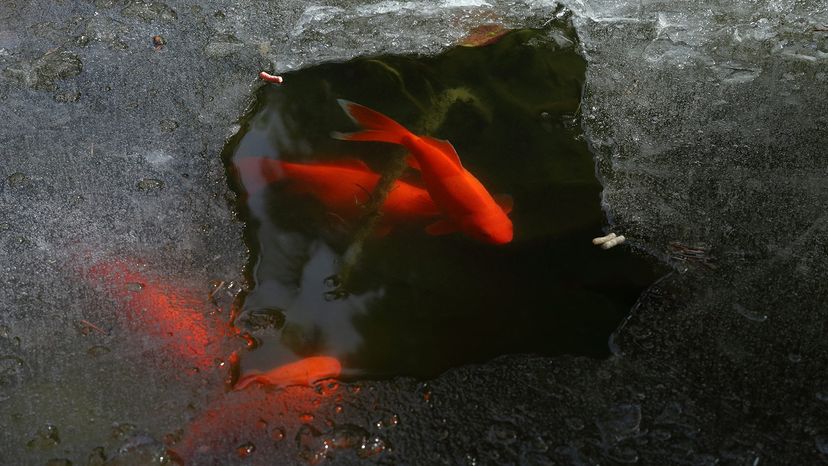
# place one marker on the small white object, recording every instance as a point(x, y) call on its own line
point(603, 239)
point(609, 241)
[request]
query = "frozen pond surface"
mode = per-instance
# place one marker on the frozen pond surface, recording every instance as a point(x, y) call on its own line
point(708, 125)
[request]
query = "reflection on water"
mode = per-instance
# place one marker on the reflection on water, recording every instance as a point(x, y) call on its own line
point(391, 299)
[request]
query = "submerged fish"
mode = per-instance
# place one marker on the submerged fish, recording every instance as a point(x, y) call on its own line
point(344, 187)
point(466, 204)
point(303, 372)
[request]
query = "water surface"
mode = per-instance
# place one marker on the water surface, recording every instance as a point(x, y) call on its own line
point(407, 302)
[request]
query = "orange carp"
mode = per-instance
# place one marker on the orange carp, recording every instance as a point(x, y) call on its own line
point(466, 205)
point(343, 186)
point(303, 372)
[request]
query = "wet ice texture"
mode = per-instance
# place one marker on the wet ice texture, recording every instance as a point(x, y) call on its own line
point(708, 123)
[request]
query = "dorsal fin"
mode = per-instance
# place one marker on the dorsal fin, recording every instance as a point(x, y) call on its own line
point(505, 202)
point(445, 147)
point(381, 127)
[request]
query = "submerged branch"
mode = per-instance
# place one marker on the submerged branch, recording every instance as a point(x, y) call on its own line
point(367, 225)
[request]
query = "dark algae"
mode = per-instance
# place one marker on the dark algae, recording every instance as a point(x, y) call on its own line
point(403, 302)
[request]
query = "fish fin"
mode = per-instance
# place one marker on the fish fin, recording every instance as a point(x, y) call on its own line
point(412, 162)
point(356, 164)
point(380, 127)
point(258, 172)
point(382, 230)
point(445, 147)
point(248, 380)
point(441, 227)
point(372, 135)
point(413, 178)
point(505, 202)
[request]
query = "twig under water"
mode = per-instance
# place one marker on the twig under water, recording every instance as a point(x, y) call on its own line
point(369, 222)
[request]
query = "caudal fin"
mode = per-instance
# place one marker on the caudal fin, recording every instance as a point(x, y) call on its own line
point(258, 172)
point(378, 127)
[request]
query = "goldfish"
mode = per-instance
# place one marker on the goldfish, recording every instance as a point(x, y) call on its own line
point(343, 186)
point(466, 204)
point(303, 372)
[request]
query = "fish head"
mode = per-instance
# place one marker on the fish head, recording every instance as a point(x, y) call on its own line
point(494, 228)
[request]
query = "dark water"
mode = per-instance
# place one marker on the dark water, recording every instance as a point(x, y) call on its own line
point(409, 303)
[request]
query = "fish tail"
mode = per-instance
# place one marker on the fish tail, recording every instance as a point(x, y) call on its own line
point(248, 380)
point(258, 172)
point(378, 127)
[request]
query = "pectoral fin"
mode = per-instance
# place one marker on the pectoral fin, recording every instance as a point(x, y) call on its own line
point(382, 230)
point(505, 202)
point(441, 227)
point(412, 162)
point(356, 164)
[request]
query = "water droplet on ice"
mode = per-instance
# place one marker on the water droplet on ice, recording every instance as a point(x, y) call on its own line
point(622, 421)
point(502, 433)
point(335, 295)
point(660, 435)
point(575, 423)
point(426, 391)
point(749, 314)
point(277, 434)
point(538, 444)
point(259, 319)
point(372, 447)
point(346, 436)
point(623, 455)
point(120, 431)
point(821, 442)
point(246, 449)
point(311, 448)
point(11, 369)
point(149, 184)
point(250, 341)
point(97, 457)
point(17, 179)
point(134, 286)
point(97, 350)
point(58, 462)
point(393, 420)
point(333, 281)
point(46, 437)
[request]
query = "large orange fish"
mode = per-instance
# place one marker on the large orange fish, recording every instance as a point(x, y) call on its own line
point(303, 372)
point(343, 186)
point(466, 204)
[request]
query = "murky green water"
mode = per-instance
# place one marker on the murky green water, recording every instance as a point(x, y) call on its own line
point(414, 304)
